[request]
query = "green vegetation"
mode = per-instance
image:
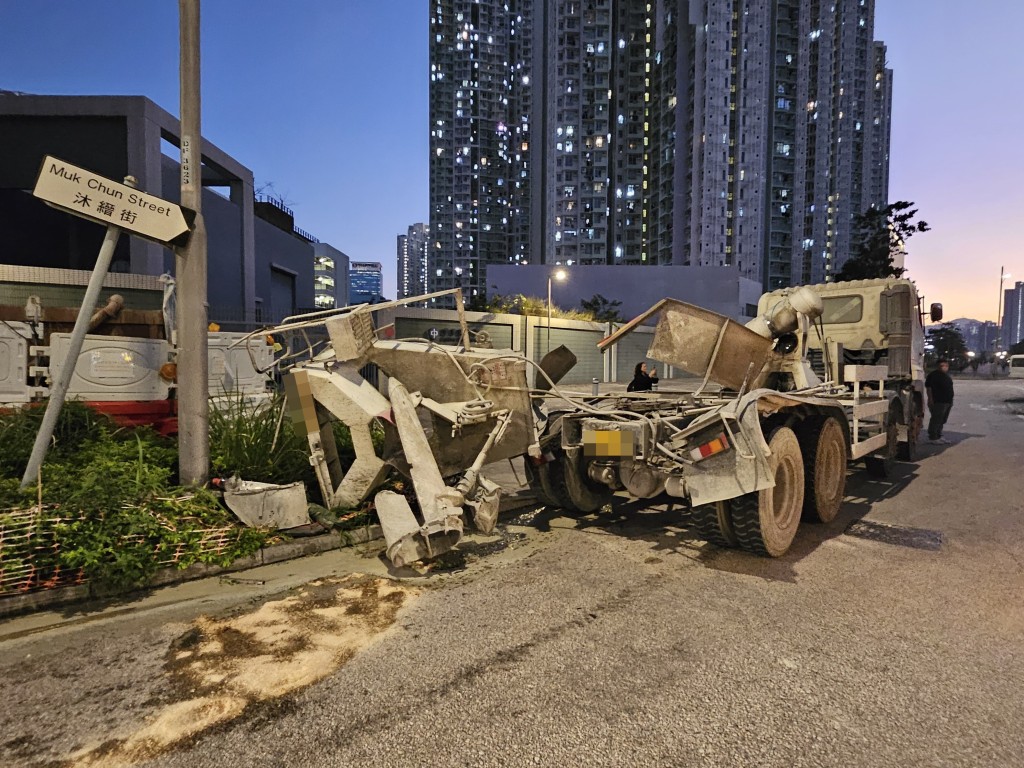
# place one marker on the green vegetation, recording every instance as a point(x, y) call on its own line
point(518, 304)
point(879, 236)
point(257, 442)
point(603, 310)
point(110, 509)
point(946, 341)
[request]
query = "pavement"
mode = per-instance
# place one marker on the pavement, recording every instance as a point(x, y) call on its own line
point(613, 639)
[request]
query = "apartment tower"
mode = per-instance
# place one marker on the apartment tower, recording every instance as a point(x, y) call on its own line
point(741, 133)
point(412, 251)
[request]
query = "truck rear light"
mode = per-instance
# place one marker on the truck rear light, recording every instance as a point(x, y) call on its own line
point(710, 448)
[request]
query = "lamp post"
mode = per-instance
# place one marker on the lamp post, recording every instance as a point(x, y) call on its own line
point(999, 311)
point(558, 275)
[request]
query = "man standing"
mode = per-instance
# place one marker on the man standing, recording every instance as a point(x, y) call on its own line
point(939, 386)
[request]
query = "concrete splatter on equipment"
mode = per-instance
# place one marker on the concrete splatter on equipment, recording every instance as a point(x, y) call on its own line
point(823, 376)
point(446, 411)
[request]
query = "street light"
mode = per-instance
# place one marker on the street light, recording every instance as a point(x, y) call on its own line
point(999, 310)
point(558, 275)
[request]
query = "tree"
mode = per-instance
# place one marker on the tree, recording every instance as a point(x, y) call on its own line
point(602, 309)
point(879, 236)
point(947, 342)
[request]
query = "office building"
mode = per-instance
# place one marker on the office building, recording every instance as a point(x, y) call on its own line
point(412, 251)
point(330, 277)
point(260, 264)
point(365, 282)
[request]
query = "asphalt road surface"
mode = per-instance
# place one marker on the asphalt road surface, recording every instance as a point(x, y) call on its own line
point(618, 639)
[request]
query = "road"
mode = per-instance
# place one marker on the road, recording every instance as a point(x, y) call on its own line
point(613, 640)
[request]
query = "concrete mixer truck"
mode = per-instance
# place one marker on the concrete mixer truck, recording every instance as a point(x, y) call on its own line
point(823, 376)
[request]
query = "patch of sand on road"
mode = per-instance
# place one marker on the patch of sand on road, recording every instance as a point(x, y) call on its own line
point(220, 666)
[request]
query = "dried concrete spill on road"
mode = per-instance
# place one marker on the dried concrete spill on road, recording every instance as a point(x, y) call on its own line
point(1016, 405)
point(219, 667)
point(903, 536)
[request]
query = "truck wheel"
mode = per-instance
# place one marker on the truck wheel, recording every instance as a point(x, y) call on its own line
point(534, 481)
point(765, 521)
point(713, 522)
point(882, 463)
point(584, 494)
point(907, 451)
point(552, 482)
point(823, 444)
point(565, 483)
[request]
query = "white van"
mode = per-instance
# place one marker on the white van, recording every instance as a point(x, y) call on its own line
point(1016, 366)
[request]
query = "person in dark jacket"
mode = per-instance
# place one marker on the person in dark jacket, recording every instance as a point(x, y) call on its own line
point(939, 387)
point(642, 380)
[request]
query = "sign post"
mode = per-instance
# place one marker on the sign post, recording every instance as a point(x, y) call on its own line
point(60, 387)
point(119, 206)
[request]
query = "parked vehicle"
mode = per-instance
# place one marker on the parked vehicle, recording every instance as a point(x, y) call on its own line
point(1016, 366)
point(823, 376)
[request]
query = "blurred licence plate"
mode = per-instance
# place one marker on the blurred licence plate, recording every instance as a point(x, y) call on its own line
point(608, 443)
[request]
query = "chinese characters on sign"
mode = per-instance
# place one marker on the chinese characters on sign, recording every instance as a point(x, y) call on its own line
point(94, 197)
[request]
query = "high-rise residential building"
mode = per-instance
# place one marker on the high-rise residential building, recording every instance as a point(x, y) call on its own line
point(845, 95)
point(743, 133)
point(1012, 331)
point(365, 282)
point(413, 248)
point(791, 134)
point(479, 139)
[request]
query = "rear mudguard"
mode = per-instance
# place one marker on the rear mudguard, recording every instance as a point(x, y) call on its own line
point(742, 469)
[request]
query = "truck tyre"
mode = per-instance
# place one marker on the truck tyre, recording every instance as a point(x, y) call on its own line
point(713, 522)
point(766, 521)
point(552, 482)
point(882, 463)
point(823, 444)
point(534, 481)
point(584, 494)
point(907, 451)
point(564, 484)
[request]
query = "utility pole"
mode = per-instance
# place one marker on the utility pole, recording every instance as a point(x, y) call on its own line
point(190, 267)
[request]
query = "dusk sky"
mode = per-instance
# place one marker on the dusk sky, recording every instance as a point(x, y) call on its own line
point(327, 101)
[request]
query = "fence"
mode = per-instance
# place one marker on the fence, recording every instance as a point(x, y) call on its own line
point(533, 337)
point(30, 548)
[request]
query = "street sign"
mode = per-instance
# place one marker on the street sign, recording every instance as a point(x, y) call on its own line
point(95, 197)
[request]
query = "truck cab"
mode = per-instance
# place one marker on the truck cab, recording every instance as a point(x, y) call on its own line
point(866, 322)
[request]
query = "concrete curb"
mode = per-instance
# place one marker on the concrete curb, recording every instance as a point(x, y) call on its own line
point(15, 605)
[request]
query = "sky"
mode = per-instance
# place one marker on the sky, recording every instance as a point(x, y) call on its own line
point(326, 102)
